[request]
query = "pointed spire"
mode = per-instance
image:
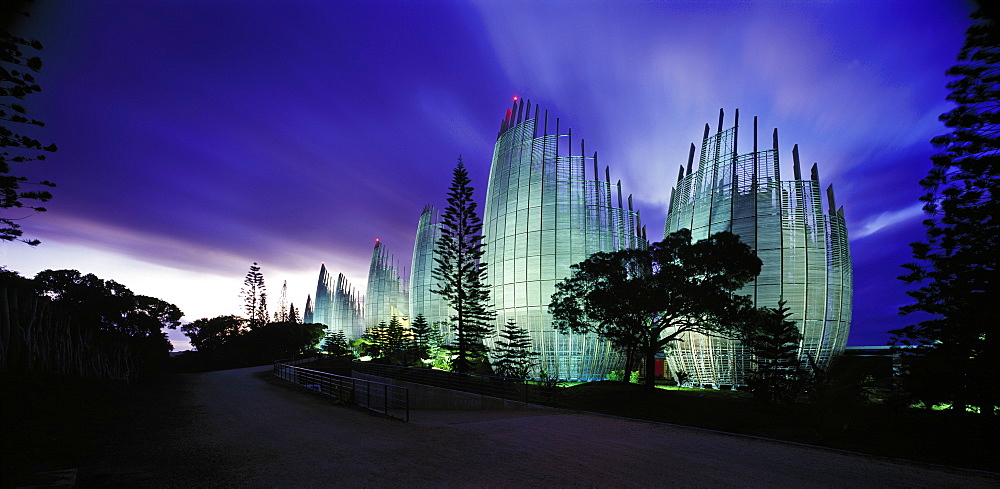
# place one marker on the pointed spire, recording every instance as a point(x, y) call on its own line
point(721, 117)
point(691, 155)
point(736, 133)
point(796, 169)
point(535, 133)
point(831, 200)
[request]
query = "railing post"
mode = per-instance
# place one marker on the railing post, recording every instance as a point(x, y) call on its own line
point(385, 398)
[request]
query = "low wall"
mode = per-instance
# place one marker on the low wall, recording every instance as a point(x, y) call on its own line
point(430, 397)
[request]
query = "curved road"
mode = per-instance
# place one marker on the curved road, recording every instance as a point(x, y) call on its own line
point(245, 428)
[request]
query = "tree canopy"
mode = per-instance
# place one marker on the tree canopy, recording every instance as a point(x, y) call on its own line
point(957, 263)
point(643, 299)
point(63, 321)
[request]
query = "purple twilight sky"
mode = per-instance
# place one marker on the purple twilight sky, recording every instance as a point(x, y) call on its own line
point(197, 137)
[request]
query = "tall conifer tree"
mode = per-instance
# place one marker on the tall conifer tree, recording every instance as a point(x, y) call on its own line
point(17, 80)
point(774, 339)
point(461, 272)
point(255, 297)
point(513, 352)
point(958, 354)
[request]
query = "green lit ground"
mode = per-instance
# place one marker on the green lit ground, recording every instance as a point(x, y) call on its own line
point(879, 429)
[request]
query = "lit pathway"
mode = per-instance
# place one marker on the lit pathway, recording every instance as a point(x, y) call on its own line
point(239, 428)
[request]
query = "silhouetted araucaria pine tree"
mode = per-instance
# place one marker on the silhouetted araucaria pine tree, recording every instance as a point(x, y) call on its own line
point(461, 272)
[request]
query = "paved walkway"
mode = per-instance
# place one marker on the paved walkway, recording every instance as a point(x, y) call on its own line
point(245, 428)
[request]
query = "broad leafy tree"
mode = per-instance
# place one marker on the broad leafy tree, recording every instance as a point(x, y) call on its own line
point(774, 340)
point(513, 352)
point(254, 295)
point(110, 313)
point(17, 80)
point(461, 272)
point(208, 334)
point(108, 305)
point(954, 355)
point(642, 299)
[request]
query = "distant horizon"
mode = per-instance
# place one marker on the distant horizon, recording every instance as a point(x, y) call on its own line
point(197, 139)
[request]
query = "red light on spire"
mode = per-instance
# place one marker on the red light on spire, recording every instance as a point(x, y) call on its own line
point(515, 98)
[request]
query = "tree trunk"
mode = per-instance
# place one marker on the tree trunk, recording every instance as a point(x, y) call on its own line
point(650, 383)
point(629, 364)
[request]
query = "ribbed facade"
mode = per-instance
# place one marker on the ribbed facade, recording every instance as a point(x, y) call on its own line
point(387, 293)
point(307, 312)
point(805, 254)
point(422, 301)
point(547, 208)
point(338, 305)
point(322, 311)
point(347, 309)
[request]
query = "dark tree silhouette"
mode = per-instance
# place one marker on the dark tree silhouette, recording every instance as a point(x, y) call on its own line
point(513, 352)
point(642, 299)
point(293, 314)
point(254, 296)
point(102, 321)
point(774, 340)
point(954, 356)
point(207, 334)
point(461, 272)
point(335, 344)
point(16, 82)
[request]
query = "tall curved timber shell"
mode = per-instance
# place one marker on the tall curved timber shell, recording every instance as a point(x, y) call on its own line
point(433, 306)
point(387, 295)
point(547, 208)
point(338, 305)
point(805, 253)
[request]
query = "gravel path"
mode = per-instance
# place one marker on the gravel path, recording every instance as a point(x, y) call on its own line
point(245, 428)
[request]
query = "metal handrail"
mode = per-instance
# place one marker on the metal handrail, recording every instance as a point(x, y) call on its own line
point(392, 399)
point(500, 387)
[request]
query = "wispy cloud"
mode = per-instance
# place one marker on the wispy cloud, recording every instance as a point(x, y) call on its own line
point(888, 219)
